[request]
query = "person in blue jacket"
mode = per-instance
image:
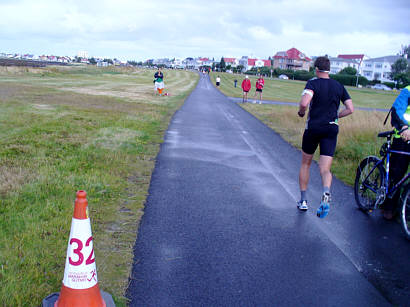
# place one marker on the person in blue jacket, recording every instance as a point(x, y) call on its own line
point(400, 119)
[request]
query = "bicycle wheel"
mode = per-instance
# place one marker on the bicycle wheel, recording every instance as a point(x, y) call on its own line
point(405, 211)
point(368, 183)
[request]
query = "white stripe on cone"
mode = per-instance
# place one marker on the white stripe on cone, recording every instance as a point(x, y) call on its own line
point(80, 269)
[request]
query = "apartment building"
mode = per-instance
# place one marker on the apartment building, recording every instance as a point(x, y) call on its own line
point(379, 68)
point(337, 64)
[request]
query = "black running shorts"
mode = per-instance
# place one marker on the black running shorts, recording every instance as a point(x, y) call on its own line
point(259, 90)
point(326, 137)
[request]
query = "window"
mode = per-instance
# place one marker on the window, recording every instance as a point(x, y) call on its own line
point(367, 73)
point(369, 65)
point(378, 65)
point(377, 76)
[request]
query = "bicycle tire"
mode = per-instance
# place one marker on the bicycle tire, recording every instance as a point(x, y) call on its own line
point(365, 193)
point(405, 211)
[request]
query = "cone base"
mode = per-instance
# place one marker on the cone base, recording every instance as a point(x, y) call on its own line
point(90, 297)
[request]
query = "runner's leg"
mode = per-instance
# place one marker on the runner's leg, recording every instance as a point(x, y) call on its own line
point(325, 163)
point(304, 172)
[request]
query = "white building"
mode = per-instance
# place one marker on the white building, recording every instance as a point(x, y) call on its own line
point(379, 68)
point(337, 64)
point(178, 63)
point(83, 54)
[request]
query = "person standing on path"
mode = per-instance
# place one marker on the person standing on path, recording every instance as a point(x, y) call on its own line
point(246, 87)
point(159, 81)
point(218, 81)
point(235, 82)
point(259, 88)
point(322, 95)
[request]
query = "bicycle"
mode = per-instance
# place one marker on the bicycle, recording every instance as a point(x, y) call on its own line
point(371, 185)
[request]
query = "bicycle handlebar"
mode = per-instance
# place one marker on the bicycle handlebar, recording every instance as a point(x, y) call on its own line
point(389, 133)
point(386, 134)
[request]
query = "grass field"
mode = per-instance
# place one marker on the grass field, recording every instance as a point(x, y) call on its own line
point(290, 91)
point(358, 132)
point(70, 128)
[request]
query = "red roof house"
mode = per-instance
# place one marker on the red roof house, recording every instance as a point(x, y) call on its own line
point(358, 57)
point(291, 59)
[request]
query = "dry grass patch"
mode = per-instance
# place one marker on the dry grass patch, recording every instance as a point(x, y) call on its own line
point(113, 137)
point(13, 177)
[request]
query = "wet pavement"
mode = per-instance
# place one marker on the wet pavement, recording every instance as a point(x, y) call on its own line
point(221, 227)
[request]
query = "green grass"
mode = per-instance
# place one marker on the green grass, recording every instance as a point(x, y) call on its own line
point(290, 91)
point(66, 129)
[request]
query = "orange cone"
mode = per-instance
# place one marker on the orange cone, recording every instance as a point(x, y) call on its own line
point(80, 285)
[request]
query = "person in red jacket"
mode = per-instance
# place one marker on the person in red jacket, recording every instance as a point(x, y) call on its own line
point(259, 88)
point(246, 87)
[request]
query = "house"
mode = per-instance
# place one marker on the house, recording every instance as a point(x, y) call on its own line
point(337, 64)
point(379, 68)
point(101, 63)
point(359, 58)
point(291, 59)
point(249, 63)
point(355, 57)
point(244, 62)
point(267, 63)
point(231, 61)
point(190, 63)
point(206, 62)
point(162, 62)
point(177, 63)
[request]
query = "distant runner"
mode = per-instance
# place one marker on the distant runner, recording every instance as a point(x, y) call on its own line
point(246, 87)
point(218, 81)
point(259, 88)
point(323, 96)
point(159, 81)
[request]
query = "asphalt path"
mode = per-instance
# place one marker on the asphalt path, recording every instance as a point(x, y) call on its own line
point(221, 227)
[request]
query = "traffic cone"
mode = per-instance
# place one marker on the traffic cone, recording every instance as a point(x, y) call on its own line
point(80, 285)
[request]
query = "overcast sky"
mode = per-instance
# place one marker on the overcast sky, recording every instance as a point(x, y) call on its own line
point(138, 30)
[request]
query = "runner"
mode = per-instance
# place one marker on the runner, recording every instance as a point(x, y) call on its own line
point(218, 81)
point(323, 96)
point(246, 86)
point(159, 81)
point(259, 88)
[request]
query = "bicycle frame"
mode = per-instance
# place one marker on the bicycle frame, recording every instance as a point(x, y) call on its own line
point(401, 181)
point(385, 162)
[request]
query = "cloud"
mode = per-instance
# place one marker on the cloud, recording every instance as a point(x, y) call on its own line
point(260, 33)
point(181, 28)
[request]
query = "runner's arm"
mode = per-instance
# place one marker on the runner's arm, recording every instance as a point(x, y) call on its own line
point(304, 102)
point(348, 110)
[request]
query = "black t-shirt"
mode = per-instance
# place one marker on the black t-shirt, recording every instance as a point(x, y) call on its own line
point(324, 106)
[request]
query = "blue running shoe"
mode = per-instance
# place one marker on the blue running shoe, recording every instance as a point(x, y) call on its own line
point(302, 205)
point(323, 210)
